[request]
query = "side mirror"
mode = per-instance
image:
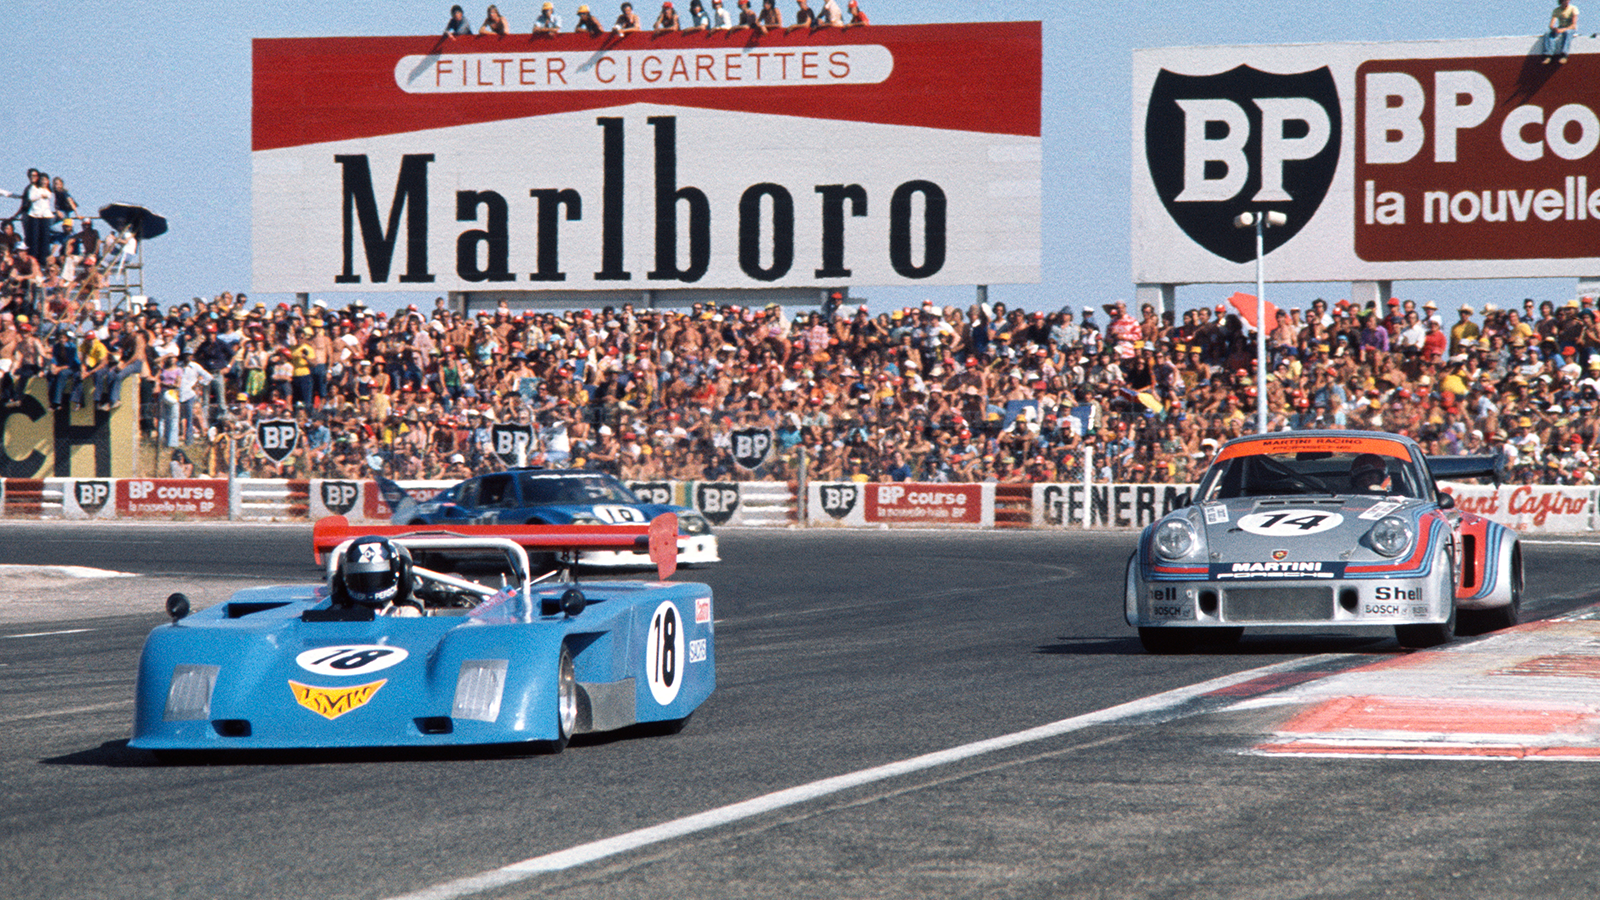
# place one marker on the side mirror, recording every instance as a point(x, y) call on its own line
point(1446, 501)
point(573, 602)
point(177, 607)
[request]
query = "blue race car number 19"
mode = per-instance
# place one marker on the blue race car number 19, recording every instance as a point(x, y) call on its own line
point(663, 653)
point(350, 659)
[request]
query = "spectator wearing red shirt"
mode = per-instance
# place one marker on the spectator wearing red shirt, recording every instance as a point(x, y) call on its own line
point(1434, 342)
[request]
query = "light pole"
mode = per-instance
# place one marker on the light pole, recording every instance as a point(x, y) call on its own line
point(1260, 222)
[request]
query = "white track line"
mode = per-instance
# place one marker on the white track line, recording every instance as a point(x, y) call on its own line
point(76, 710)
point(583, 854)
point(47, 633)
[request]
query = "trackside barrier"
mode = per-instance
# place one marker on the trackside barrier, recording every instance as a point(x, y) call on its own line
point(1013, 505)
point(900, 503)
point(1531, 509)
point(1105, 505)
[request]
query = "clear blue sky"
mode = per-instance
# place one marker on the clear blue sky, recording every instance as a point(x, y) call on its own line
point(149, 102)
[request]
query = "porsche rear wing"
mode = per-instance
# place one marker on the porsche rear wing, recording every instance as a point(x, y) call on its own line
point(659, 539)
point(1453, 468)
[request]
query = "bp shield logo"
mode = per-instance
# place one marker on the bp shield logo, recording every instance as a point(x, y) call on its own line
point(277, 438)
point(751, 446)
point(717, 500)
point(511, 441)
point(658, 492)
point(339, 497)
point(1242, 141)
point(91, 495)
point(839, 499)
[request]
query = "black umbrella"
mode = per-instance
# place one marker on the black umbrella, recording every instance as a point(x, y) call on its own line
point(141, 222)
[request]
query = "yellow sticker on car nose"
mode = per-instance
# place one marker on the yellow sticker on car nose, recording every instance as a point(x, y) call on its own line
point(331, 703)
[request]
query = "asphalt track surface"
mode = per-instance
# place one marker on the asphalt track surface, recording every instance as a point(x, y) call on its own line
point(837, 652)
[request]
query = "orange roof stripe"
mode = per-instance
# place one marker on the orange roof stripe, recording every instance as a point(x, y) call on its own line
point(1315, 444)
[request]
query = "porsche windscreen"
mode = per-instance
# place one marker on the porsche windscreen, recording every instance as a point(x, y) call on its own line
point(1310, 472)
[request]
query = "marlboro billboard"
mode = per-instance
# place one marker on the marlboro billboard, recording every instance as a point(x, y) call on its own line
point(880, 155)
point(1417, 160)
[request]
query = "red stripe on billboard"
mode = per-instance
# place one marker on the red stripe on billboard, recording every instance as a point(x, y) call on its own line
point(982, 77)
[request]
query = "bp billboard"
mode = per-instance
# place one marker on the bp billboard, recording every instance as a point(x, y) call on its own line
point(1413, 160)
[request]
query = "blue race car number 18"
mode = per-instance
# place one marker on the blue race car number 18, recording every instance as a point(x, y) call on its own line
point(663, 653)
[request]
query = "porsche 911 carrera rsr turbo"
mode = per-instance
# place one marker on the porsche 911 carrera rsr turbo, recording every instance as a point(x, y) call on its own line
point(1324, 529)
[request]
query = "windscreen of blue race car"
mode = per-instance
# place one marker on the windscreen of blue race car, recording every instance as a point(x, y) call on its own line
point(539, 489)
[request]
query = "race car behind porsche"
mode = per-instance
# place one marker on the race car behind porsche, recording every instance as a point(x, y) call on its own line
point(1324, 529)
point(539, 496)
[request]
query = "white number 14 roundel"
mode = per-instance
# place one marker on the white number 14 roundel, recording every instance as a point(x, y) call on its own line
point(1290, 522)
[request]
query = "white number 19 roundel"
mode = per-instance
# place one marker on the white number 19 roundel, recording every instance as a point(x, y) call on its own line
point(1290, 522)
point(663, 653)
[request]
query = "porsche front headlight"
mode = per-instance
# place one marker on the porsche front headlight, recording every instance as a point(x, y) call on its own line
point(1391, 536)
point(690, 523)
point(1175, 539)
point(585, 519)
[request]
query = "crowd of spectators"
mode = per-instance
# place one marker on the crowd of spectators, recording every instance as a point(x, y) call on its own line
point(697, 18)
point(924, 393)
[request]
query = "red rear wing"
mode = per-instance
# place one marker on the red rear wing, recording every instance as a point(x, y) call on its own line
point(659, 538)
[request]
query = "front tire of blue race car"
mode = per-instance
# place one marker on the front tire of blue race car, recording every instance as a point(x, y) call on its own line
point(566, 702)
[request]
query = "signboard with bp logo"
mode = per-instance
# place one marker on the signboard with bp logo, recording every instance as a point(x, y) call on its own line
point(87, 499)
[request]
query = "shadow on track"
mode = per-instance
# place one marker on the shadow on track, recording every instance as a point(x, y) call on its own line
point(1260, 645)
point(118, 755)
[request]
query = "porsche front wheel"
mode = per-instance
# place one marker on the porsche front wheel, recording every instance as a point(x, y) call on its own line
point(1433, 634)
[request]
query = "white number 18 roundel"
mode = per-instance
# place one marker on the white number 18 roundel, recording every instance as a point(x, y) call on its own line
point(1290, 522)
point(663, 653)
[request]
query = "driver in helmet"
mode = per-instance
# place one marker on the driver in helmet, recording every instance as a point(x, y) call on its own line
point(1368, 474)
point(375, 572)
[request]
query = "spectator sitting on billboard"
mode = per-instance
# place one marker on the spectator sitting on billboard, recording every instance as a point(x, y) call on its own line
point(770, 15)
point(1563, 28)
point(549, 21)
point(494, 22)
point(803, 17)
point(857, 17)
point(698, 19)
point(720, 16)
point(586, 22)
point(668, 20)
point(748, 19)
point(627, 21)
point(829, 15)
point(457, 24)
